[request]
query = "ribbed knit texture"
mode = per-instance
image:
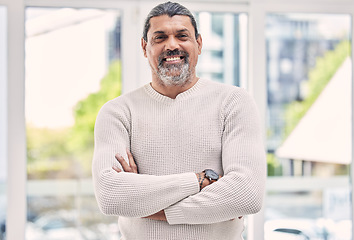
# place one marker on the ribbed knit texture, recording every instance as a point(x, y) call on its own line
point(211, 125)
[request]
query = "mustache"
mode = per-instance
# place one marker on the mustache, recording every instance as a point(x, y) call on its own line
point(172, 53)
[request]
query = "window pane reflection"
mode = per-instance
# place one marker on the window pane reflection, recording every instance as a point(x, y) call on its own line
point(72, 68)
point(309, 126)
point(224, 55)
point(3, 117)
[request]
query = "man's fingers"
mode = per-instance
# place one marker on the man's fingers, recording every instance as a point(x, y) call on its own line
point(132, 164)
point(131, 167)
point(117, 169)
point(123, 163)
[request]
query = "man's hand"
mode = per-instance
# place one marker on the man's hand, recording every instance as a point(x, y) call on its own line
point(131, 167)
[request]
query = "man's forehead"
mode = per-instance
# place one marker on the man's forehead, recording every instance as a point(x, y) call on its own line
point(165, 24)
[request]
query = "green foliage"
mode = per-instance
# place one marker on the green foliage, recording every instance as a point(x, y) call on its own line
point(45, 143)
point(324, 70)
point(273, 166)
point(46, 152)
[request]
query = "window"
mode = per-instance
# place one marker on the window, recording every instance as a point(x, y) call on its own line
point(3, 119)
point(224, 54)
point(73, 67)
point(309, 125)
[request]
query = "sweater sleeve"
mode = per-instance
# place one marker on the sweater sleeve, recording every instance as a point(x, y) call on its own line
point(240, 191)
point(129, 194)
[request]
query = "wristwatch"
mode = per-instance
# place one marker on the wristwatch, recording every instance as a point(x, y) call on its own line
point(211, 175)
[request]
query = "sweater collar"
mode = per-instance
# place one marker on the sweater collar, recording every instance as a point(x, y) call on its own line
point(183, 95)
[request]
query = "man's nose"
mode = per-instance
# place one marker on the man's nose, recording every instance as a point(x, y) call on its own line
point(172, 43)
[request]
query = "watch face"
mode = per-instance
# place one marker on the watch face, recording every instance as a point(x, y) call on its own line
point(211, 174)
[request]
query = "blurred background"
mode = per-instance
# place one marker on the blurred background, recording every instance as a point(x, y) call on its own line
point(60, 61)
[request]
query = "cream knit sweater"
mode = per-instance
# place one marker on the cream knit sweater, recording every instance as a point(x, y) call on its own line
point(211, 125)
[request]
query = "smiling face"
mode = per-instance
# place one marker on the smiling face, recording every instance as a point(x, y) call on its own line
point(172, 50)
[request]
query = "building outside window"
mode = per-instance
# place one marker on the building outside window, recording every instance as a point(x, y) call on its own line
point(224, 55)
point(309, 76)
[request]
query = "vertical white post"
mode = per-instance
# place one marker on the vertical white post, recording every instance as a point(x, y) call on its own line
point(3, 112)
point(16, 132)
point(3, 96)
point(229, 48)
point(352, 123)
point(257, 86)
point(130, 45)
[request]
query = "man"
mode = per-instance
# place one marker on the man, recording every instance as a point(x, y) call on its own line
point(181, 157)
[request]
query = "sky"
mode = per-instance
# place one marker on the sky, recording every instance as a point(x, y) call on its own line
point(65, 61)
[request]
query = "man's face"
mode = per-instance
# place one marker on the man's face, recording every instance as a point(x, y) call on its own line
point(172, 49)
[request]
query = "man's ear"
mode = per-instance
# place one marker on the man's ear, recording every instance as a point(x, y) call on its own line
point(200, 44)
point(143, 46)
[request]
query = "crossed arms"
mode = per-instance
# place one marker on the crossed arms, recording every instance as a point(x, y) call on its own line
point(132, 168)
point(178, 198)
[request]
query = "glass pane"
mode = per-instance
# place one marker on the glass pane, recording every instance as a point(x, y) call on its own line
point(309, 126)
point(3, 118)
point(72, 68)
point(224, 55)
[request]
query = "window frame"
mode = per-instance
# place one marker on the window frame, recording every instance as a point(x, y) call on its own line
point(133, 67)
point(3, 111)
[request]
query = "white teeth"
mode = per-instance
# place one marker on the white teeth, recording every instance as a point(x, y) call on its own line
point(173, 59)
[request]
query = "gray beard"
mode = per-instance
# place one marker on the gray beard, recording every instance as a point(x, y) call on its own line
point(168, 77)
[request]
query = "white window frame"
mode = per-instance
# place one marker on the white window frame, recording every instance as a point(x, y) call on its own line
point(15, 122)
point(133, 69)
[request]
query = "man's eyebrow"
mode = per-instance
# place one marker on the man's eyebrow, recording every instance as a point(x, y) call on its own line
point(183, 30)
point(178, 31)
point(159, 32)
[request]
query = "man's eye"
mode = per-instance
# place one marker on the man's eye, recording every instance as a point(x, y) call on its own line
point(160, 37)
point(182, 36)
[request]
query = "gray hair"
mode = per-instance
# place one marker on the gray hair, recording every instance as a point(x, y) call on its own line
point(171, 9)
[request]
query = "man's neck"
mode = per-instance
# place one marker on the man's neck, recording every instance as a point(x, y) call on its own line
point(172, 91)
